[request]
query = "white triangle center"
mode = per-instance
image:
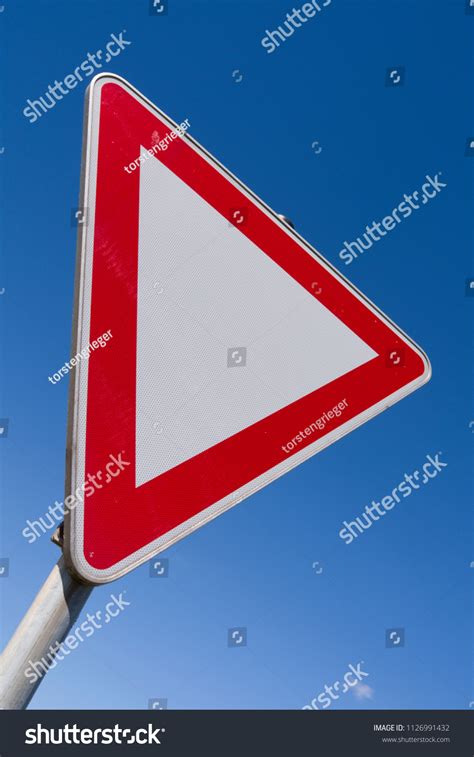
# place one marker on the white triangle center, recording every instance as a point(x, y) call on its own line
point(225, 336)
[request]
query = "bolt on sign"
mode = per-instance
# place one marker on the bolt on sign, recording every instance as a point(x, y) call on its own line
point(238, 350)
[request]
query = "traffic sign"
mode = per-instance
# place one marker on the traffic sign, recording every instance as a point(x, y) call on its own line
point(235, 351)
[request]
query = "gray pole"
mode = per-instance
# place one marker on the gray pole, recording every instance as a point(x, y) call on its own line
point(55, 608)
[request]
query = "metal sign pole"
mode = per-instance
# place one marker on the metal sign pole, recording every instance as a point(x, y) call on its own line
point(52, 613)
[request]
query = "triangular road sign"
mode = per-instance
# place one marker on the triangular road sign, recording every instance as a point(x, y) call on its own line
point(234, 351)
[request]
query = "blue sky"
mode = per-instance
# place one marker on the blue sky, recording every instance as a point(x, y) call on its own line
point(253, 567)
